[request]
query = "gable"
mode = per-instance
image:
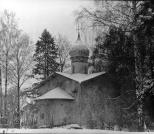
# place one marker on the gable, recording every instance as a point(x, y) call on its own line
point(56, 93)
point(80, 77)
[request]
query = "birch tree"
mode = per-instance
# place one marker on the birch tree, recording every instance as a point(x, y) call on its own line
point(123, 15)
point(63, 51)
point(16, 56)
point(20, 66)
point(8, 31)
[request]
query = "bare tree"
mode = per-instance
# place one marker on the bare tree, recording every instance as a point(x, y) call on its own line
point(21, 64)
point(12, 106)
point(16, 51)
point(63, 50)
point(8, 31)
point(123, 15)
point(106, 14)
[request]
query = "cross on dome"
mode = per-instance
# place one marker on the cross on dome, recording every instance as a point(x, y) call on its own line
point(79, 49)
point(78, 30)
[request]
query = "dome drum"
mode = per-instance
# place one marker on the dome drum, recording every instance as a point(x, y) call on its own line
point(79, 59)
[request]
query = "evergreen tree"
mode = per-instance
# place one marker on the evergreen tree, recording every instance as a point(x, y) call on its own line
point(131, 59)
point(45, 55)
point(116, 48)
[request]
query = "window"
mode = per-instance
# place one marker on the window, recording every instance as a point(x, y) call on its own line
point(42, 116)
point(73, 69)
point(85, 70)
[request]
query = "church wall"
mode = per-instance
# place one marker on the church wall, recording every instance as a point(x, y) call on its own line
point(55, 81)
point(29, 117)
point(57, 112)
point(60, 112)
point(96, 110)
point(91, 108)
point(50, 84)
point(42, 114)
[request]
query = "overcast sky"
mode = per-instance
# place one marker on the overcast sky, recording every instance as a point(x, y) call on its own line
point(34, 16)
point(55, 15)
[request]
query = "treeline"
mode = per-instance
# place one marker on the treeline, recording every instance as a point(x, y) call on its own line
point(22, 60)
point(50, 54)
point(124, 47)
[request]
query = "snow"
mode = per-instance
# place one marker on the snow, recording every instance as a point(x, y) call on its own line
point(67, 131)
point(71, 126)
point(56, 93)
point(80, 77)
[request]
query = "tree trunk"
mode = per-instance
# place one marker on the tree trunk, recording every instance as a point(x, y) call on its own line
point(45, 66)
point(138, 73)
point(18, 105)
point(18, 93)
point(1, 93)
point(6, 72)
point(151, 60)
point(1, 99)
point(62, 67)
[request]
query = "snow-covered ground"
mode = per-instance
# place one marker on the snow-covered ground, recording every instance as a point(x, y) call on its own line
point(66, 131)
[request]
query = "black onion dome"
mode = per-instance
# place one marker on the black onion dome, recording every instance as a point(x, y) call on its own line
point(79, 50)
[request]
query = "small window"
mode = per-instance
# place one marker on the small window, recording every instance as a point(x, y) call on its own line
point(42, 116)
point(73, 69)
point(85, 70)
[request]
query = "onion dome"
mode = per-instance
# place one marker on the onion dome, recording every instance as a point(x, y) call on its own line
point(79, 49)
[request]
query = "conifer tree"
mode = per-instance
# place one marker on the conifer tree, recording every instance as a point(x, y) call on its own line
point(45, 55)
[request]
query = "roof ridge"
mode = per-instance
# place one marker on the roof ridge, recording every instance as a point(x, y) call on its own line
point(77, 76)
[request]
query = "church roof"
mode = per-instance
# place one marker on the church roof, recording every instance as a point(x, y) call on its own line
point(79, 49)
point(56, 93)
point(76, 77)
point(80, 77)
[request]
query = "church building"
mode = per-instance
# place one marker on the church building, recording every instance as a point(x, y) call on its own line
point(77, 97)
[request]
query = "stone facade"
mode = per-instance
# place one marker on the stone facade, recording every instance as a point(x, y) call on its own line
point(92, 106)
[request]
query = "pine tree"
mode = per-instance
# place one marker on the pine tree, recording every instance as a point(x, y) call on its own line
point(45, 55)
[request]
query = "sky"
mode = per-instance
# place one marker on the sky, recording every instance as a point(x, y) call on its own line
point(57, 16)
